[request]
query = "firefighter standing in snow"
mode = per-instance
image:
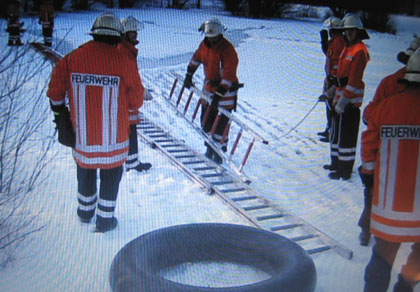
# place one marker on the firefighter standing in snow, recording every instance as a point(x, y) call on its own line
point(388, 86)
point(13, 24)
point(99, 81)
point(348, 98)
point(127, 46)
point(46, 19)
point(332, 49)
point(220, 64)
point(391, 161)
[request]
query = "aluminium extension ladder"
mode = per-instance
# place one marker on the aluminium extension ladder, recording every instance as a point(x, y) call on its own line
point(231, 188)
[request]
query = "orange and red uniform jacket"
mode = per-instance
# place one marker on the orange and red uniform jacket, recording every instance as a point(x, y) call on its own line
point(387, 87)
point(391, 148)
point(220, 64)
point(126, 47)
point(335, 46)
point(102, 85)
point(351, 66)
point(46, 15)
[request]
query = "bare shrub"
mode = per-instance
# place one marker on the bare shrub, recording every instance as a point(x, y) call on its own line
point(25, 147)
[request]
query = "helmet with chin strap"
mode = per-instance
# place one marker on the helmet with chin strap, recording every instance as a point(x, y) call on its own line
point(131, 24)
point(412, 72)
point(353, 21)
point(107, 25)
point(332, 22)
point(212, 28)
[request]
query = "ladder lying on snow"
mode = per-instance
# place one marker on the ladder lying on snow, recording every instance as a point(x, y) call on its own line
point(259, 211)
point(229, 186)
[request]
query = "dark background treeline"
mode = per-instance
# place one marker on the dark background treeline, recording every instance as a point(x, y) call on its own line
point(375, 14)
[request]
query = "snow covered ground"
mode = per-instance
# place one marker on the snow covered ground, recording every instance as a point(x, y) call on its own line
point(281, 64)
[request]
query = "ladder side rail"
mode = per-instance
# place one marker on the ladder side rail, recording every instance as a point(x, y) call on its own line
point(228, 114)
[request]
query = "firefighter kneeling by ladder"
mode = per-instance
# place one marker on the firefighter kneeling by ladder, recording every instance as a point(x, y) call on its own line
point(220, 62)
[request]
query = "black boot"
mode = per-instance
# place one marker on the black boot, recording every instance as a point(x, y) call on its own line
point(105, 224)
point(324, 134)
point(217, 158)
point(402, 285)
point(142, 166)
point(209, 152)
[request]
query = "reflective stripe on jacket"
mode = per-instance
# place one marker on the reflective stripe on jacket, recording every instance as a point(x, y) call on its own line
point(391, 147)
point(351, 66)
point(102, 86)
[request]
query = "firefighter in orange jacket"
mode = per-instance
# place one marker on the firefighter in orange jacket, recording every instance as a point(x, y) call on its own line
point(220, 62)
point(348, 98)
point(388, 86)
point(332, 49)
point(46, 19)
point(391, 163)
point(128, 46)
point(100, 83)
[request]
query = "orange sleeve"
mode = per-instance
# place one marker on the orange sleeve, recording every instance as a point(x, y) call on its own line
point(58, 83)
point(135, 90)
point(370, 142)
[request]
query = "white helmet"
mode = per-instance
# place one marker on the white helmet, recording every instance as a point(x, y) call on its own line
point(404, 55)
point(351, 20)
point(107, 24)
point(415, 44)
point(332, 22)
point(412, 72)
point(131, 24)
point(212, 28)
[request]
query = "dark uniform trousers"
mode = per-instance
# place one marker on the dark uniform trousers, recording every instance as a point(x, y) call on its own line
point(221, 126)
point(108, 192)
point(343, 137)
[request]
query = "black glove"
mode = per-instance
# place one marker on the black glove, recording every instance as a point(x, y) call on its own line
point(366, 178)
point(324, 40)
point(188, 80)
point(57, 109)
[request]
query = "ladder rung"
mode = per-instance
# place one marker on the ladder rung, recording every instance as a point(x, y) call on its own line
point(218, 183)
point(304, 237)
point(178, 150)
point(268, 217)
point(153, 131)
point(238, 199)
point(163, 140)
point(258, 207)
point(171, 145)
point(145, 127)
point(204, 168)
point(194, 162)
point(158, 136)
point(233, 190)
point(185, 156)
point(318, 249)
point(283, 227)
point(212, 174)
